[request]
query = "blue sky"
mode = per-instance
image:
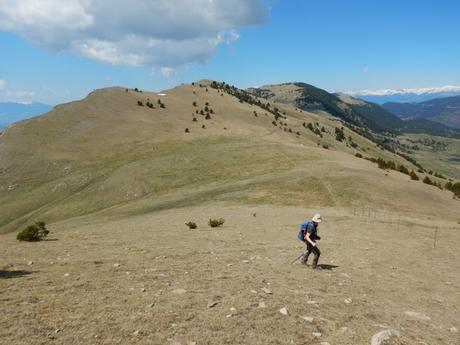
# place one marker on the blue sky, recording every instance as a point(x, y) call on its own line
point(53, 53)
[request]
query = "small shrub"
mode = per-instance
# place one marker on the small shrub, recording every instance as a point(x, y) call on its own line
point(187, 130)
point(194, 119)
point(162, 105)
point(191, 225)
point(325, 146)
point(194, 104)
point(414, 176)
point(208, 117)
point(403, 169)
point(34, 232)
point(214, 223)
point(427, 180)
point(203, 126)
point(139, 103)
point(359, 155)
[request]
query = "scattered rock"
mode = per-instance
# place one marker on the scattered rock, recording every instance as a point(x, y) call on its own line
point(307, 318)
point(143, 290)
point(151, 305)
point(346, 330)
point(453, 330)
point(232, 309)
point(179, 291)
point(345, 275)
point(191, 343)
point(212, 304)
point(116, 265)
point(417, 316)
point(228, 316)
point(267, 291)
point(324, 343)
point(312, 302)
point(382, 337)
point(284, 311)
point(30, 263)
point(246, 261)
point(66, 274)
point(317, 334)
point(348, 301)
point(137, 332)
point(261, 305)
point(253, 291)
point(57, 330)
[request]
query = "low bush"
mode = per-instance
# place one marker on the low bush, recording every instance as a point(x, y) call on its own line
point(34, 232)
point(214, 223)
point(414, 176)
point(191, 225)
point(427, 180)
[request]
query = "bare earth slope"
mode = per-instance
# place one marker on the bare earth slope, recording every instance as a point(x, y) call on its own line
point(116, 182)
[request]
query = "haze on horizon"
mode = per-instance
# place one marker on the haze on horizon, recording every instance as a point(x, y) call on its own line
point(54, 52)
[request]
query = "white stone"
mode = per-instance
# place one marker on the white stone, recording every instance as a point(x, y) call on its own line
point(212, 304)
point(66, 274)
point(453, 330)
point(348, 301)
point(267, 291)
point(261, 305)
point(30, 263)
point(418, 316)
point(317, 334)
point(116, 265)
point(307, 318)
point(179, 291)
point(284, 311)
point(382, 337)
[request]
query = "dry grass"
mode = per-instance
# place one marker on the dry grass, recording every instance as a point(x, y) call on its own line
point(384, 263)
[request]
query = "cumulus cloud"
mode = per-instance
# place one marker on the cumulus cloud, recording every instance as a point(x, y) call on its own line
point(2, 84)
point(414, 91)
point(157, 33)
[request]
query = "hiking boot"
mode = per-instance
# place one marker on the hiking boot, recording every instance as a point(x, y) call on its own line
point(303, 261)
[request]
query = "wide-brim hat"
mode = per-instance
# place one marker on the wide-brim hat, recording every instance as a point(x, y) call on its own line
point(316, 218)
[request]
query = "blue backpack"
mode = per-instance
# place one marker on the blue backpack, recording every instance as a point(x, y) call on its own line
point(303, 230)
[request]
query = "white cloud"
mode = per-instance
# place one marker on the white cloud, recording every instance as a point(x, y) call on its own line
point(365, 69)
point(157, 33)
point(167, 72)
point(414, 91)
point(2, 84)
point(20, 94)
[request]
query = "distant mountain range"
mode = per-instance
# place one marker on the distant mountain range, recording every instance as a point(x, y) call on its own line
point(12, 112)
point(443, 110)
point(364, 116)
point(406, 95)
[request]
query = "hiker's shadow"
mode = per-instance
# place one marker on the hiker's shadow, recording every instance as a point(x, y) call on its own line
point(327, 266)
point(13, 274)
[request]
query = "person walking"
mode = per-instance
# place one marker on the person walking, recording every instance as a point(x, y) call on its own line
point(309, 230)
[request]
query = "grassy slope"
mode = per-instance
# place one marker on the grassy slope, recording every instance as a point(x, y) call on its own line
point(106, 154)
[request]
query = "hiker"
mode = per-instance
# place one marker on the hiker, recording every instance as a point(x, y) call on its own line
point(309, 232)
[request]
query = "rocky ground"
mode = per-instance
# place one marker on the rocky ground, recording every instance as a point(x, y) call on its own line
point(150, 280)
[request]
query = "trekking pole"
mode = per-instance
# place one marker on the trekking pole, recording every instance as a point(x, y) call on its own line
point(298, 258)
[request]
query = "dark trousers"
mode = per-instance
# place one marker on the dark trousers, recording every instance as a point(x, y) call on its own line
point(316, 252)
